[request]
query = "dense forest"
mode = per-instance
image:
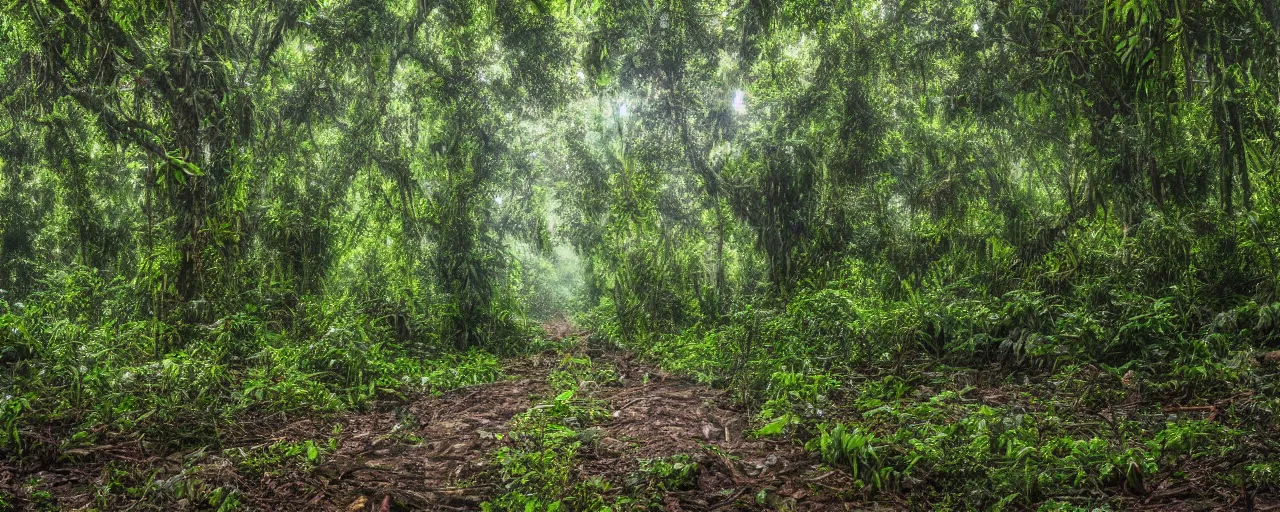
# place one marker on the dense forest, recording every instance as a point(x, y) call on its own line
point(663, 255)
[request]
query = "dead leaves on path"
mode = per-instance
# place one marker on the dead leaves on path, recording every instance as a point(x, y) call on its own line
point(433, 453)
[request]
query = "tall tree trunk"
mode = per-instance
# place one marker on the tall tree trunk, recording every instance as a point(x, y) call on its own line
point(1242, 163)
point(1225, 156)
point(1157, 192)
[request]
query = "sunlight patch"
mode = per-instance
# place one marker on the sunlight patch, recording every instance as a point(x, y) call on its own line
point(740, 101)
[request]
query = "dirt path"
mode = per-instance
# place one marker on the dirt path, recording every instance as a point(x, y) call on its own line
point(434, 453)
point(427, 456)
point(659, 417)
point(652, 416)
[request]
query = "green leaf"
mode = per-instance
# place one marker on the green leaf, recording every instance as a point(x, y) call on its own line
point(776, 426)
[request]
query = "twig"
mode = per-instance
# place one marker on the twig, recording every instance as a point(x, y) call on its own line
point(633, 401)
point(729, 501)
point(1190, 408)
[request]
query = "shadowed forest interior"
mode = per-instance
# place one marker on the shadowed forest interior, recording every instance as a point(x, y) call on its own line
point(660, 255)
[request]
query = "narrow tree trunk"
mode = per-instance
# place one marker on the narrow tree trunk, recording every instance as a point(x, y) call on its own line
point(1242, 163)
point(1157, 185)
point(1224, 149)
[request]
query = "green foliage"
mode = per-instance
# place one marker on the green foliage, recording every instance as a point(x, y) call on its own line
point(124, 375)
point(673, 473)
point(857, 451)
point(794, 397)
point(576, 373)
point(212, 210)
point(535, 464)
point(994, 458)
point(271, 459)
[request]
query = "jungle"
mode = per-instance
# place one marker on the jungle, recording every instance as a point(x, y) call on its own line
point(639, 255)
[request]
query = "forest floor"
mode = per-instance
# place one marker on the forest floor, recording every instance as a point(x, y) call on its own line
point(589, 426)
point(440, 452)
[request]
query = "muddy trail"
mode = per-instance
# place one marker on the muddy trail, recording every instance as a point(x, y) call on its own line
point(437, 452)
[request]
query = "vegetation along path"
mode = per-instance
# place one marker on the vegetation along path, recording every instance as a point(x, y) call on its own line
point(587, 428)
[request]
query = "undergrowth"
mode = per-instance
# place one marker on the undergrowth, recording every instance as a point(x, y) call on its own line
point(71, 356)
point(1074, 381)
point(536, 462)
